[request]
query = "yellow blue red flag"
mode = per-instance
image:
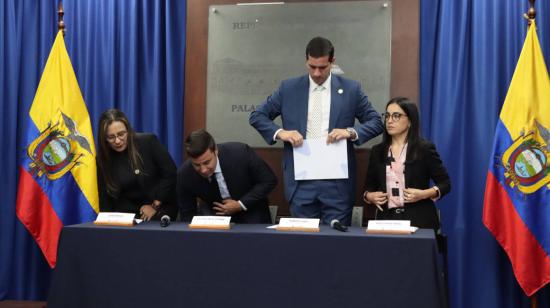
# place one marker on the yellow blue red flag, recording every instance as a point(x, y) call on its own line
point(57, 178)
point(516, 206)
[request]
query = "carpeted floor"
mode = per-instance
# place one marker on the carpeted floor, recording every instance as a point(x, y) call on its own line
point(22, 304)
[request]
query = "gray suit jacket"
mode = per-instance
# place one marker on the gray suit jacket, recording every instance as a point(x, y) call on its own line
point(290, 101)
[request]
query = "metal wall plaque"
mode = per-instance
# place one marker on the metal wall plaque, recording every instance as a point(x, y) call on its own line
point(252, 48)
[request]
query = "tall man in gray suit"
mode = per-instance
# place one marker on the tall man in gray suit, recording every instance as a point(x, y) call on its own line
point(318, 105)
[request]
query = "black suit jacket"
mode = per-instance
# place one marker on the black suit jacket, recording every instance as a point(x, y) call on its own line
point(155, 181)
point(418, 173)
point(248, 178)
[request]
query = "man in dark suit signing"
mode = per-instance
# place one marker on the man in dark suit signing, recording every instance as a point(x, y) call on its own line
point(230, 179)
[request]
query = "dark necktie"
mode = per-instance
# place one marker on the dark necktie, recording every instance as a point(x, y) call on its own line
point(214, 189)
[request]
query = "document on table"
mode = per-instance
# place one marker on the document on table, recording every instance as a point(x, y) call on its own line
point(317, 160)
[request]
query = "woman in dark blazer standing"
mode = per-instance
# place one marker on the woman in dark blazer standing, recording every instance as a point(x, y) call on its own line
point(402, 167)
point(136, 174)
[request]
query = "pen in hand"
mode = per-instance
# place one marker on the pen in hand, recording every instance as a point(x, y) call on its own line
point(367, 201)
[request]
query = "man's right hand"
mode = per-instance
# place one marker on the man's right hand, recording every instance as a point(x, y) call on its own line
point(291, 136)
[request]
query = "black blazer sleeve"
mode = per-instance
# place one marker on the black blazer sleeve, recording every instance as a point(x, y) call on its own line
point(437, 171)
point(164, 188)
point(375, 178)
point(187, 200)
point(160, 177)
point(262, 176)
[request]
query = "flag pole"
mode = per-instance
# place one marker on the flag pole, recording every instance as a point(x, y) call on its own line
point(60, 22)
point(530, 15)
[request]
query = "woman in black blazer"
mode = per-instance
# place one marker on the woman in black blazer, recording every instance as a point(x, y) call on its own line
point(401, 167)
point(136, 174)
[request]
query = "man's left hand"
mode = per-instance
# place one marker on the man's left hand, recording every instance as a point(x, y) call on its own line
point(338, 134)
point(227, 208)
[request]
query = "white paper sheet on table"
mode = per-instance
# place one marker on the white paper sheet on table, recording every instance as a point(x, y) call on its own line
point(315, 160)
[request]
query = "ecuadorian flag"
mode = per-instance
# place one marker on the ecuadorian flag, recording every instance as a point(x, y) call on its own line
point(516, 208)
point(57, 182)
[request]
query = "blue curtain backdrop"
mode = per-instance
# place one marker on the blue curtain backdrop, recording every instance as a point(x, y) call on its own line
point(469, 50)
point(127, 54)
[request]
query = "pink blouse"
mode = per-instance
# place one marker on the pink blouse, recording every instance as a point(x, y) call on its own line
point(395, 178)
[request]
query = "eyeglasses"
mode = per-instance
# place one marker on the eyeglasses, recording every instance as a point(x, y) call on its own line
point(120, 135)
point(396, 116)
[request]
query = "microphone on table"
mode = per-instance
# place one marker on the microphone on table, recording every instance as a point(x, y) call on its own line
point(165, 221)
point(335, 224)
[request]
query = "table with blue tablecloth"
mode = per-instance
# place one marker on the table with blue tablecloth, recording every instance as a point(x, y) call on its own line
point(246, 266)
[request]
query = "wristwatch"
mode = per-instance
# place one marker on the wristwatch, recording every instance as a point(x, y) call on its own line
point(352, 133)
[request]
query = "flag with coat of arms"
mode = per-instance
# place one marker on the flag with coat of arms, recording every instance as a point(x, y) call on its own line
point(57, 172)
point(516, 206)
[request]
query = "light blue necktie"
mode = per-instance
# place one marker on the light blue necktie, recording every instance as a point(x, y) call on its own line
point(224, 192)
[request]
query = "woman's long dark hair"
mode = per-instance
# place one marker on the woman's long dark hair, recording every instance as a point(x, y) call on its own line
point(413, 135)
point(104, 161)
